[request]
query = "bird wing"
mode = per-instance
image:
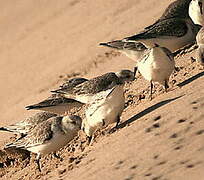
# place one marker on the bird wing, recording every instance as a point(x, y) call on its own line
point(162, 28)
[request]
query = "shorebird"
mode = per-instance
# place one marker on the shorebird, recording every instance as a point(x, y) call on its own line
point(104, 111)
point(49, 136)
point(23, 127)
point(58, 104)
point(90, 90)
point(200, 43)
point(108, 105)
point(196, 10)
point(131, 49)
point(156, 65)
point(177, 9)
point(173, 33)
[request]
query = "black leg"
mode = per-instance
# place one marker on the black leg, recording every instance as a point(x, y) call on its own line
point(38, 162)
point(89, 139)
point(118, 121)
point(151, 88)
point(103, 122)
point(135, 70)
point(166, 86)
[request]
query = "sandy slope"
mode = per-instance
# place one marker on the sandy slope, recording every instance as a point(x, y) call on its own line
point(43, 41)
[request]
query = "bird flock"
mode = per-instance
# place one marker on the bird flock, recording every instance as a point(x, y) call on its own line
point(101, 100)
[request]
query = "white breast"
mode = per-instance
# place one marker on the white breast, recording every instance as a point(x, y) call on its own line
point(195, 14)
point(58, 141)
point(106, 110)
point(156, 66)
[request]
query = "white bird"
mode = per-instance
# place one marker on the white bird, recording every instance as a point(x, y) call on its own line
point(90, 90)
point(156, 65)
point(173, 33)
point(49, 136)
point(196, 10)
point(23, 127)
point(104, 111)
point(200, 43)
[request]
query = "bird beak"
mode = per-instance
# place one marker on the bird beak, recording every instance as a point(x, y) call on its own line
point(201, 7)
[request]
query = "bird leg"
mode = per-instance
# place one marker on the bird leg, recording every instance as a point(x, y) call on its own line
point(151, 88)
point(135, 70)
point(38, 162)
point(118, 121)
point(166, 86)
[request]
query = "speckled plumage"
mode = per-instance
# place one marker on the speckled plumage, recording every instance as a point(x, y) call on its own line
point(177, 9)
point(172, 33)
point(29, 123)
point(49, 136)
point(85, 92)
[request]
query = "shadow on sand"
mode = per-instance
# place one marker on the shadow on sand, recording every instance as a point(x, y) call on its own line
point(146, 111)
point(187, 81)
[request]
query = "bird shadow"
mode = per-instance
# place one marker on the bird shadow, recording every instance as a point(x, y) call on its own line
point(146, 111)
point(187, 81)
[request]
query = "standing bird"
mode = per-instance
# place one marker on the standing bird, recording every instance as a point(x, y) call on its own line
point(196, 10)
point(90, 90)
point(58, 104)
point(23, 127)
point(108, 105)
point(173, 33)
point(156, 65)
point(49, 136)
point(104, 110)
point(200, 43)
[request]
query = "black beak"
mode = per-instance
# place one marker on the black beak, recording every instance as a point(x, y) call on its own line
point(201, 7)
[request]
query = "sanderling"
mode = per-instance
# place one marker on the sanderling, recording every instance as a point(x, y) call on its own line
point(104, 111)
point(196, 10)
point(23, 127)
point(130, 49)
point(133, 50)
point(58, 105)
point(177, 9)
point(156, 65)
point(49, 136)
point(173, 33)
point(200, 43)
point(88, 91)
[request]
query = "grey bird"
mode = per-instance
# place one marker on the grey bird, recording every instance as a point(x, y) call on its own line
point(58, 104)
point(23, 127)
point(49, 136)
point(173, 33)
point(88, 91)
point(176, 9)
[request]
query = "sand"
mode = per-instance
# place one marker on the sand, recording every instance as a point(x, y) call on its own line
point(44, 42)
